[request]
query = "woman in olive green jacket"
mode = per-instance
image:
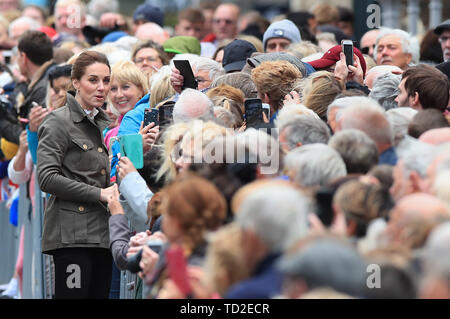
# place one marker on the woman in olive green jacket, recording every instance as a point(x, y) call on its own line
point(73, 167)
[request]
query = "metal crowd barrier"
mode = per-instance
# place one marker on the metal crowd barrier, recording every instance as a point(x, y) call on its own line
point(38, 269)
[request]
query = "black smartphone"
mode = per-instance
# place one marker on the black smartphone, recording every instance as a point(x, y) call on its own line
point(151, 116)
point(253, 111)
point(186, 71)
point(324, 205)
point(347, 48)
point(166, 113)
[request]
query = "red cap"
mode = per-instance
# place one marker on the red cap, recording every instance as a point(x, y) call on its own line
point(50, 32)
point(333, 55)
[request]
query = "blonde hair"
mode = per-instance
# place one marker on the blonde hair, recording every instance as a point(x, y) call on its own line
point(160, 86)
point(253, 40)
point(171, 137)
point(200, 134)
point(230, 98)
point(276, 79)
point(303, 49)
point(127, 72)
point(319, 90)
point(325, 13)
point(224, 262)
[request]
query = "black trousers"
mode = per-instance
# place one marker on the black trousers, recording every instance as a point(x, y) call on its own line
point(82, 273)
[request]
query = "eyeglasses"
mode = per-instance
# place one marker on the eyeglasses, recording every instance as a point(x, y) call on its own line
point(227, 21)
point(444, 39)
point(148, 59)
point(366, 50)
point(201, 80)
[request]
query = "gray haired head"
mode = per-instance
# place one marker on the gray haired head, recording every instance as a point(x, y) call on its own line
point(277, 215)
point(305, 129)
point(327, 263)
point(385, 90)
point(315, 165)
point(358, 151)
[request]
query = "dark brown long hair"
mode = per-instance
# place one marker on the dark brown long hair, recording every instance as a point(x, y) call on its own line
point(86, 59)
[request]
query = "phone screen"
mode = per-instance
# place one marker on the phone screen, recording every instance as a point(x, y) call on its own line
point(253, 111)
point(151, 116)
point(186, 71)
point(166, 113)
point(348, 51)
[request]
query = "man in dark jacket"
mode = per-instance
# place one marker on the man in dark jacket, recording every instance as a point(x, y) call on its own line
point(34, 59)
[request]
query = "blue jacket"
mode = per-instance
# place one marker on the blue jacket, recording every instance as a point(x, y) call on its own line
point(32, 138)
point(265, 282)
point(131, 124)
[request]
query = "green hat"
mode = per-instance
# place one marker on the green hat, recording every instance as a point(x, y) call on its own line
point(182, 44)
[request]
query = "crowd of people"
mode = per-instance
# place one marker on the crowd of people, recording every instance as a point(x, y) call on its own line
point(277, 169)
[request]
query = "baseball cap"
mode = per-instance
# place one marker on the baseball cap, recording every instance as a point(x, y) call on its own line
point(235, 55)
point(149, 13)
point(333, 55)
point(282, 29)
point(443, 26)
point(182, 44)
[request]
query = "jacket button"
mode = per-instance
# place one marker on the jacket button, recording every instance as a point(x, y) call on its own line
point(103, 171)
point(85, 146)
point(100, 150)
point(81, 209)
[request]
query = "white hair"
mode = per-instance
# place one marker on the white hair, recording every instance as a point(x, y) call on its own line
point(409, 43)
point(162, 73)
point(184, 56)
point(126, 42)
point(99, 7)
point(315, 165)
point(399, 119)
point(415, 155)
point(353, 102)
point(192, 104)
point(305, 129)
point(206, 64)
point(33, 24)
point(379, 70)
point(277, 215)
point(385, 90)
point(290, 110)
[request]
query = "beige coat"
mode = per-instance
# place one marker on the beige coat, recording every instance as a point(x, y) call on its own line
point(73, 166)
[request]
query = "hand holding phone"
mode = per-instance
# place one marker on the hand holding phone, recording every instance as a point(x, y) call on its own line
point(177, 266)
point(186, 71)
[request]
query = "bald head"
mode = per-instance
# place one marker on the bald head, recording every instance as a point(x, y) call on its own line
point(368, 41)
point(436, 136)
point(413, 217)
point(225, 21)
point(374, 73)
point(151, 31)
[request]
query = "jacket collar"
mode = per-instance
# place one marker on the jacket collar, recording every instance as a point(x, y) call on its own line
point(78, 114)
